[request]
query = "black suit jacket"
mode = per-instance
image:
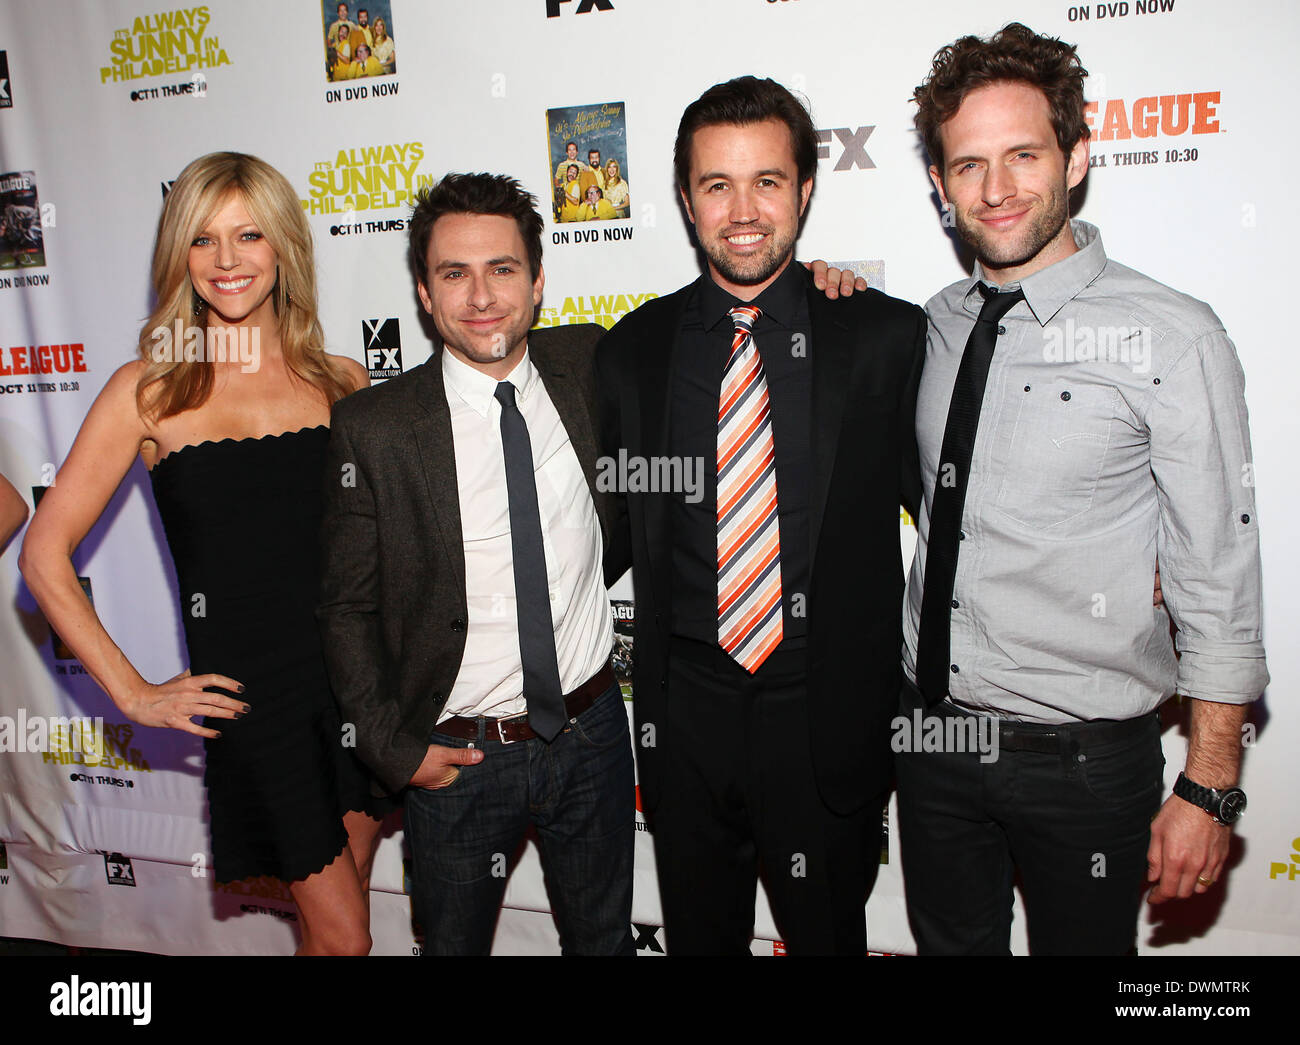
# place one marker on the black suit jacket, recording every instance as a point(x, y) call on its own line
point(866, 353)
point(392, 603)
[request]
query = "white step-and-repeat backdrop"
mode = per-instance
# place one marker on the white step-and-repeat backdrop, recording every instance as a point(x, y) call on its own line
point(101, 105)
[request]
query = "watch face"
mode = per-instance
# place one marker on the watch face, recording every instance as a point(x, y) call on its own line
point(1232, 805)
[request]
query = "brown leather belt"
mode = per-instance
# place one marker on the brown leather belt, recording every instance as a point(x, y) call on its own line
point(514, 728)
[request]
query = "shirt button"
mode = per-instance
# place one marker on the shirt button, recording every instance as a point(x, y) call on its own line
point(1065, 397)
point(552, 596)
point(458, 624)
point(1245, 518)
point(1001, 329)
point(955, 604)
point(961, 535)
point(1026, 388)
point(954, 669)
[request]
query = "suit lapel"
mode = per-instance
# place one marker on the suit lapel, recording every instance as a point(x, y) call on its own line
point(654, 386)
point(832, 362)
point(431, 428)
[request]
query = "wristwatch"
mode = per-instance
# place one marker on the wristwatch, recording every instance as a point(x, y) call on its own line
point(1224, 807)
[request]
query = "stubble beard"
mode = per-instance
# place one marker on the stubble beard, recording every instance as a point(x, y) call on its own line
point(1041, 230)
point(750, 269)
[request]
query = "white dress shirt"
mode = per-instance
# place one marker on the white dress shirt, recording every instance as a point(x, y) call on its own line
point(490, 680)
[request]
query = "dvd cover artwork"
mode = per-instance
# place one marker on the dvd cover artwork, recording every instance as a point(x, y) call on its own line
point(22, 244)
point(588, 168)
point(359, 40)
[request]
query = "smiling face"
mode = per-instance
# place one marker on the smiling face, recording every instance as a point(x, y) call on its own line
point(1007, 181)
point(232, 266)
point(572, 173)
point(611, 169)
point(745, 200)
point(593, 195)
point(480, 293)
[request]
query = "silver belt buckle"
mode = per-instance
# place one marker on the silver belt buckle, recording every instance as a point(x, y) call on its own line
point(501, 736)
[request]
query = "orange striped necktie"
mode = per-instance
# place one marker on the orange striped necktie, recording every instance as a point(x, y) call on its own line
point(749, 540)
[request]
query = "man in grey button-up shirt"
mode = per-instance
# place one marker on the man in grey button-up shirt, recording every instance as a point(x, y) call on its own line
point(1111, 436)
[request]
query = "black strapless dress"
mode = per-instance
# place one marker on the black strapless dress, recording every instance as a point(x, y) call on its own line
point(243, 518)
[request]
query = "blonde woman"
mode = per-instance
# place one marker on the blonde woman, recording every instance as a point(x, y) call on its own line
point(383, 51)
point(616, 191)
point(228, 405)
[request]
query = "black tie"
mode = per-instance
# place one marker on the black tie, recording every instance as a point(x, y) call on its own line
point(532, 592)
point(933, 671)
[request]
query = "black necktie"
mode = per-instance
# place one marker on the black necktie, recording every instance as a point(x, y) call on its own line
point(532, 592)
point(933, 670)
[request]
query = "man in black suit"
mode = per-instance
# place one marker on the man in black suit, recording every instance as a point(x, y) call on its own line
point(766, 669)
point(467, 629)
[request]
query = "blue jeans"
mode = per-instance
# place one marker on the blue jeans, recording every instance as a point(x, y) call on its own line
point(578, 792)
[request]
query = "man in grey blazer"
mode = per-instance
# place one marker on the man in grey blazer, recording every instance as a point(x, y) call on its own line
point(466, 624)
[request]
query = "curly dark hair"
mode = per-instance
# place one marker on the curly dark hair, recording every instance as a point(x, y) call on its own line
point(473, 194)
point(1017, 54)
point(744, 100)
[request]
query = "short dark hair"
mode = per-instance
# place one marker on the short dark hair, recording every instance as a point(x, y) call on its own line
point(744, 100)
point(473, 194)
point(1014, 54)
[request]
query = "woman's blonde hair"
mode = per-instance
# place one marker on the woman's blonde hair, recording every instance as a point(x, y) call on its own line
point(172, 385)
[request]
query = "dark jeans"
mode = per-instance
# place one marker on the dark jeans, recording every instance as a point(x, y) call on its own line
point(739, 799)
point(1075, 822)
point(578, 792)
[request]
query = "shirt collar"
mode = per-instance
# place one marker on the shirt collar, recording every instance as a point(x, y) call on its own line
point(779, 301)
point(1049, 290)
point(477, 390)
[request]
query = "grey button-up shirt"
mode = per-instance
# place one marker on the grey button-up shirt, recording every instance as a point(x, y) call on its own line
point(1112, 433)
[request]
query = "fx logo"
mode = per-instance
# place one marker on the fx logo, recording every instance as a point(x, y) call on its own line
point(382, 344)
point(167, 187)
point(6, 102)
point(118, 869)
point(854, 142)
point(553, 6)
